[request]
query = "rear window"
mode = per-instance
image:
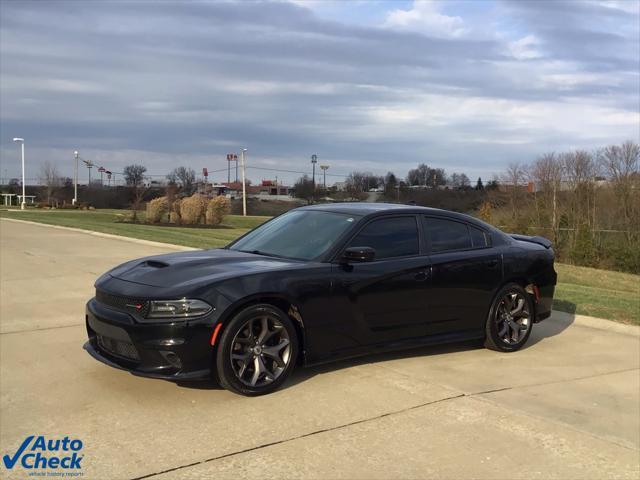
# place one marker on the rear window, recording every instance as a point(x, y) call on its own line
point(446, 235)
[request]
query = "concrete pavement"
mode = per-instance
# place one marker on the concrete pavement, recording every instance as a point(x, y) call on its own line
point(566, 406)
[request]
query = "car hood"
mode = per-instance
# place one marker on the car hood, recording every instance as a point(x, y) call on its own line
point(197, 267)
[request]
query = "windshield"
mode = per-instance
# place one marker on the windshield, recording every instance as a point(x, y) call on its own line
point(300, 234)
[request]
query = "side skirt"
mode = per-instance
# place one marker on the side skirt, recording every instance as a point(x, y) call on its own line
point(408, 344)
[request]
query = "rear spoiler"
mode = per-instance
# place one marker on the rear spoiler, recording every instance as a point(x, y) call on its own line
point(539, 240)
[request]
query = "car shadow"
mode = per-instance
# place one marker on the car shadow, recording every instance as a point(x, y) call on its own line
point(551, 327)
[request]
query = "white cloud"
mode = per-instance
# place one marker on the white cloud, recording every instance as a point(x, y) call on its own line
point(425, 17)
point(526, 48)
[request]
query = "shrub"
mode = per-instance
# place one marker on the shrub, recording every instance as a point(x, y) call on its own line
point(217, 208)
point(192, 209)
point(157, 209)
point(174, 215)
point(485, 212)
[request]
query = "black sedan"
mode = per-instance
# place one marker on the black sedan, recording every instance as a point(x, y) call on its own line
point(316, 284)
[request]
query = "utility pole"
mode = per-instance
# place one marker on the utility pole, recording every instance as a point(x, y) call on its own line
point(75, 179)
point(244, 187)
point(235, 158)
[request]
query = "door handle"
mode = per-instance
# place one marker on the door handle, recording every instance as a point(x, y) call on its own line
point(492, 263)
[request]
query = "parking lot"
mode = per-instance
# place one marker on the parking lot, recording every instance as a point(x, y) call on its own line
point(566, 406)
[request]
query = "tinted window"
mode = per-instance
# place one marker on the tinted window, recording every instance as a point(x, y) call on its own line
point(447, 235)
point(303, 234)
point(478, 237)
point(389, 237)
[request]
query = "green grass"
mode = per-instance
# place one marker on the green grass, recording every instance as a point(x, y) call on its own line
point(110, 221)
point(598, 293)
point(582, 290)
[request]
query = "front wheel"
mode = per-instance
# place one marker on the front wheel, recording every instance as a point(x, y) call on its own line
point(510, 319)
point(257, 351)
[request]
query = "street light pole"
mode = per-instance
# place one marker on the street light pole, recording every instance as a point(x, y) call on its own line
point(244, 188)
point(21, 142)
point(75, 179)
point(89, 165)
point(314, 160)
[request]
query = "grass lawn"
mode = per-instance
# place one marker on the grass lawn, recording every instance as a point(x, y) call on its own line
point(107, 221)
point(598, 293)
point(582, 290)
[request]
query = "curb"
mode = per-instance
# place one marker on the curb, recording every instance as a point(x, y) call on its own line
point(106, 235)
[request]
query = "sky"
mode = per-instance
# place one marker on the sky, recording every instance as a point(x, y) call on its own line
point(468, 86)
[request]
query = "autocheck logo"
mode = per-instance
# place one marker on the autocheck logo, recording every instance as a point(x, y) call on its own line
point(61, 457)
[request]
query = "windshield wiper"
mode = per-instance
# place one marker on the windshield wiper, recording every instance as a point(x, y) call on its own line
point(265, 254)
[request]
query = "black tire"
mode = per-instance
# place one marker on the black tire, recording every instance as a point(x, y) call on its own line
point(501, 331)
point(240, 338)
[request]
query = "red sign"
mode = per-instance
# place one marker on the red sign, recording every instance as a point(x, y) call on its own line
point(205, 172)
point(101, 169)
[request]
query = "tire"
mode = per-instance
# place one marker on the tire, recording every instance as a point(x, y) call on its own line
point(510, 319)
point(253, 357)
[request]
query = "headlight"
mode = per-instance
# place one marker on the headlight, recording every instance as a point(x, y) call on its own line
point(184, 308)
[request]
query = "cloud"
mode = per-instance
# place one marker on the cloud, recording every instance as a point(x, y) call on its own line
point(425, 17)
point(525, 48)
point(185, 83)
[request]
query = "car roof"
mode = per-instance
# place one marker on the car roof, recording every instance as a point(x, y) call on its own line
point(366, 209)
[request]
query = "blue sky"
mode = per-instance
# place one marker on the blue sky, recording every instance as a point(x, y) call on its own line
point(464, 85)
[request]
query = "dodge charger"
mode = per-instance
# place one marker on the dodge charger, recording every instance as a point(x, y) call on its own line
point(317, 284)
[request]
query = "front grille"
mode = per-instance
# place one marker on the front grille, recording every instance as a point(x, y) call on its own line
point(125, 304)
point(118, 348)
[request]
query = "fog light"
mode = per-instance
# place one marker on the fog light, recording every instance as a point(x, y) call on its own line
point(172, 358)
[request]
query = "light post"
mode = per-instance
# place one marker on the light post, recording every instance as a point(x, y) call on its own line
point(89, 165)
point(75, 179)
point(314, 160)
point(101, 170)
point(244, 189)
point(324, 171)
point(21, 142)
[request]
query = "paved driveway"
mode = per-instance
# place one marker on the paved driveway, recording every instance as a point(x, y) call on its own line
point(567, 406)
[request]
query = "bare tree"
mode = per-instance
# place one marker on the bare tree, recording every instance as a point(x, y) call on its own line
point(50, 178)
point(513, 180)
point(621, 164)
point(304, 189)
point(185, 177)
point(460, 181)
point(426, 176)
point(134, 178)
point(358, 183)
point(546, 174)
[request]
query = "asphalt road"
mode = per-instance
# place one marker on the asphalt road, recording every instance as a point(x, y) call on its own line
point(566, 406)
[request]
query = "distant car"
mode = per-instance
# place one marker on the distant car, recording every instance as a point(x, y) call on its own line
point(317, 284)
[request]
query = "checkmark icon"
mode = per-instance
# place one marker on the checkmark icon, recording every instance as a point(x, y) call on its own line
point(10, 462)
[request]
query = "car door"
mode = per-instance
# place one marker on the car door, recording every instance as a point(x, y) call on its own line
point(383, 300)
point(465, 273)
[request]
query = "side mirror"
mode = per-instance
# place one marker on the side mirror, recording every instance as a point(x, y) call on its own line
point(358, 254)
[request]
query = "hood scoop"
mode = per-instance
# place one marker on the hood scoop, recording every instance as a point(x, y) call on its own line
point(154, 264)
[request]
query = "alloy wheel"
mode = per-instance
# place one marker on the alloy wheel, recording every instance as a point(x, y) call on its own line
point(513, 318)
point(260, 351)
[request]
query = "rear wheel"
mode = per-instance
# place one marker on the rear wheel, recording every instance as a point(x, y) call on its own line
point(510, 319)
point(257, 351)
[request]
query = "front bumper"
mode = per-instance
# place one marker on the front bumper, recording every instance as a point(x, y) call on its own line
point(173, 351)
